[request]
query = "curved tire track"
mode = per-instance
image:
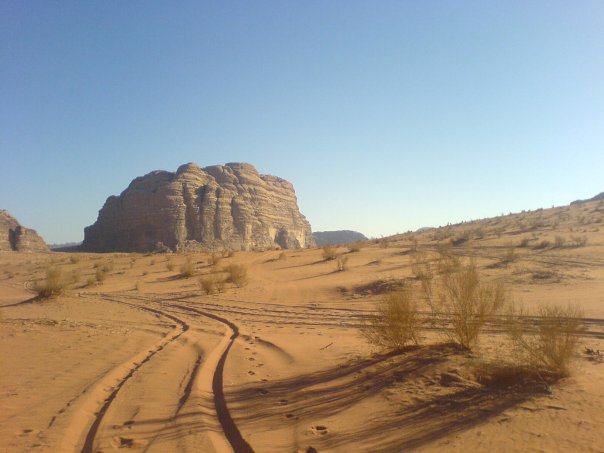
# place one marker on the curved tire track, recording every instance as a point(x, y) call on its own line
point(183, 327)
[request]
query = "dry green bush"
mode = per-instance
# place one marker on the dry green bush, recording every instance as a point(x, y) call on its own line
point(341, 263)
point(187, 269)
point(549, 339)
point(463, 303)
point(236, 274)
point(396, 322)
point(54, 284)
point(329, 252)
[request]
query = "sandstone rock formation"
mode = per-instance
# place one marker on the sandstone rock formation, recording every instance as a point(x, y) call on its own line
point(15, 237)
point(219, 207)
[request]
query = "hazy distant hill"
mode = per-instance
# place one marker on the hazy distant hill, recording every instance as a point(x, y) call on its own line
point(598, 197)
point(337, 237)
point(65, 246)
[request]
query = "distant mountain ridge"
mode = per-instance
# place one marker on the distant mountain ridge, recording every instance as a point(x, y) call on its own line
point(337, 237)
point(598, 197)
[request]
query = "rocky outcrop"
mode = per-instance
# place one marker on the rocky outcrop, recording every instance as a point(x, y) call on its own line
point(15, 237)
point(219, 207)
point(337, 237)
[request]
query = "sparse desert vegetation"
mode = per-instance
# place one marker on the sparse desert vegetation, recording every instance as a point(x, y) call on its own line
point(421, 322)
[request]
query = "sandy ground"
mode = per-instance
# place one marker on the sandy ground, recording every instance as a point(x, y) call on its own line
point(146, 361)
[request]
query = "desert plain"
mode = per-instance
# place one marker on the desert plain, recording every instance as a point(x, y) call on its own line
point(135, 356)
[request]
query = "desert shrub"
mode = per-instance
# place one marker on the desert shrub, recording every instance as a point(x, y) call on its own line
point(463, 303)
point(54, 284)
point(551, 338)
point(236, 274)
point(355, 247)
point(329, 252)
point(559, 241)
point(396, 322)
point(170, 265)
point(214, 259)
point(100, 275)
point(524, 242)
point(211, 284)
point(578, 241)
point(341, 263)
point(510, 256)
point(187, 269)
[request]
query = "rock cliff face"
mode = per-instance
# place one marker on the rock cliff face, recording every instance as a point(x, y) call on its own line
point(217, 207)
point(14, 237)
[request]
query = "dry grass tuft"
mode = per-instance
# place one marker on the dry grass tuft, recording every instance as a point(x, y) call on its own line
point(236, 274)
point(329, 252)
point(54, 285)
point(187, 269)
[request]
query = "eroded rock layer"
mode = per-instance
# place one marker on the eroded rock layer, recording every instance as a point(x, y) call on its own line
point(227, 206)
point(15, 237)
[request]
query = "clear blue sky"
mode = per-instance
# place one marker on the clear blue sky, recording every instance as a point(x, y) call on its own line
point(386, 116)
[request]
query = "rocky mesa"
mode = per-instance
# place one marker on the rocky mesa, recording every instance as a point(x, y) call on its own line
point(15, 237)
point(228, 206)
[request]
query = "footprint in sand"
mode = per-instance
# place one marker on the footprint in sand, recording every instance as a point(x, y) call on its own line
point(319, 429)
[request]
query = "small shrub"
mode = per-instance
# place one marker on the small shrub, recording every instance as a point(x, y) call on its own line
point(214, 259)
point(559, 241)
point(524, 242)
point(329, 252)
point(100, 275)
point(237, 274)
point(551, 339)
point(355, 247)
point(210, 284)
point(341, 263)
point(54, 284)
point(542, 245)
point(396, 322)
point(463, 303)
point(187, 269)
point(510, 256)
point(170, 265)
point(578, 241)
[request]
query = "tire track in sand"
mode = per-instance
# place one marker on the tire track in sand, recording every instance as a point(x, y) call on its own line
point(121, 374)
